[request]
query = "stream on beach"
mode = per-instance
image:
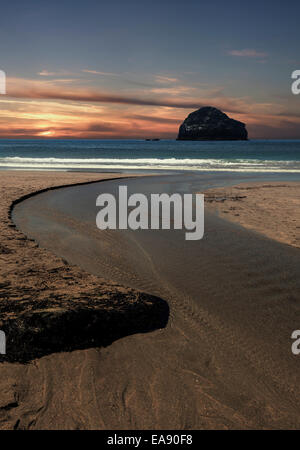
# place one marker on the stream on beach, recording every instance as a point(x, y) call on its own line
point(224, 359)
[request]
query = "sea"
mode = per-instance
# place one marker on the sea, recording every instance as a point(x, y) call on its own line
point(275, 156)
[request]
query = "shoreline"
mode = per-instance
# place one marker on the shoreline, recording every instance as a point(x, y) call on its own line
point(51, 188)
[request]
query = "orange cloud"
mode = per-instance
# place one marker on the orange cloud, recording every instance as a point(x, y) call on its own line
point(47, 109)
point(32, 89)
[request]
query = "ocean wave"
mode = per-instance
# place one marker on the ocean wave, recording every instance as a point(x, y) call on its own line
point(240, 165)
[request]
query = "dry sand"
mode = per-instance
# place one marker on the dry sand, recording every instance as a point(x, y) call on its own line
point(272, 209)
point(200, 372)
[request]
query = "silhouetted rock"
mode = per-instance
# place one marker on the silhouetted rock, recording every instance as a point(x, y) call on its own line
point(210, 123)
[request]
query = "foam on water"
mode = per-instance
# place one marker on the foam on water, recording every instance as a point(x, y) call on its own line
point(245, 156)
point(241, 165)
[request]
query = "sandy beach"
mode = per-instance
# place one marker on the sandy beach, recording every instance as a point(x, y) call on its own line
point(47, 305)
point(213, 365)
point(272, 209)
point(127, 301)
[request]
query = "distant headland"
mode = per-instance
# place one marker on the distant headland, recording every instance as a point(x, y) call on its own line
point(209, 123)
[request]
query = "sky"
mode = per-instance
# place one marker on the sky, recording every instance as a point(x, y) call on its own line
point(136, 69)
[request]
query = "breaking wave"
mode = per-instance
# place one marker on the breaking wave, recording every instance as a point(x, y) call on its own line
point(234, 165)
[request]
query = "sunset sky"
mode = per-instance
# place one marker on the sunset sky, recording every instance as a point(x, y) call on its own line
point(136, 69)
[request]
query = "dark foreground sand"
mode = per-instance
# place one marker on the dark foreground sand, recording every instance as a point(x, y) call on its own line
point(205, 369)
point(46, 306)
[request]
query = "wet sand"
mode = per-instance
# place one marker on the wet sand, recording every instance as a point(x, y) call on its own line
point(224, 360)
point(48, 306)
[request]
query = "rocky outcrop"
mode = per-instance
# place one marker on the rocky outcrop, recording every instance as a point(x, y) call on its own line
point(210, 123)
point(48, 306)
